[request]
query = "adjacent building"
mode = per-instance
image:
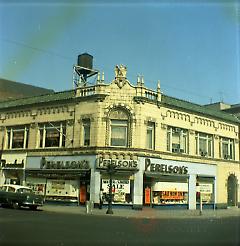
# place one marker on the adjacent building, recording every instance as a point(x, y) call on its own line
point(164, 150)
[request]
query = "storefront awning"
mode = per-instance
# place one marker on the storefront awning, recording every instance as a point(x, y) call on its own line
point(164, 176)
point(53, 173)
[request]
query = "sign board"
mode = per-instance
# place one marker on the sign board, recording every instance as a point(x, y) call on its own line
point(119, 185)
point(117, 164)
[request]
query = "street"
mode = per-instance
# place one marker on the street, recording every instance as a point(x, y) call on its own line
point(26, 227)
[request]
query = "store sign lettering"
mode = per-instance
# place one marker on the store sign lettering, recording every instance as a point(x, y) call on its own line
point(118, 164)
point(83, 164)
point(164, 168)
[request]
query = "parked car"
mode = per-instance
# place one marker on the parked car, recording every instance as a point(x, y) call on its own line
point(17, 196)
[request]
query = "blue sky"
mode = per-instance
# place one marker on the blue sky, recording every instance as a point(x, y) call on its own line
point(192, 47)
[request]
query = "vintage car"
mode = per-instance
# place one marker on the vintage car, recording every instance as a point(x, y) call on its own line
point(17, 196)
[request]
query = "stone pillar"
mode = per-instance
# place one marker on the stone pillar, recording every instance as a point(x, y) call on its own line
point(192, 192)
point(138, 190)
point(95, 185)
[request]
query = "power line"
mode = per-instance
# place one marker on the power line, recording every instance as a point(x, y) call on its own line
point(36, 49)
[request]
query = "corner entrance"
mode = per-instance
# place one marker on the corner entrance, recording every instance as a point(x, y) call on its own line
point(232, 190)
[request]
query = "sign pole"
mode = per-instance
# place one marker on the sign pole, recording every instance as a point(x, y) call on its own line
point(200, 212)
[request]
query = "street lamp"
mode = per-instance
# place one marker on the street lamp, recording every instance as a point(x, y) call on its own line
point(111, 170)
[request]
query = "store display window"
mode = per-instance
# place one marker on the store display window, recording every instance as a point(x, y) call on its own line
point(121, 190)
point(206, 187)
point(170, 193)
point(38, 185)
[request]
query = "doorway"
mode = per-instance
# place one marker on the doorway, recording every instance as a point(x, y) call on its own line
point(232, 191)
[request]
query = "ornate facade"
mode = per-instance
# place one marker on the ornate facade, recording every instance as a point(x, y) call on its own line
point(164, 150)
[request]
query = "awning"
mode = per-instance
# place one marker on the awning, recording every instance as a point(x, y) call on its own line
point(53, 173)
point(165, 177)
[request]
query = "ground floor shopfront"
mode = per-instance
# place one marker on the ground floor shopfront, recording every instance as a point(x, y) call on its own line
point(170, 183)
point(60, 178)
point(136, 182)
point(12, 168)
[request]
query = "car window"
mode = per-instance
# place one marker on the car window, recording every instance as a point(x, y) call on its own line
point(4, 188)
point(11, 189)
point(24, 190)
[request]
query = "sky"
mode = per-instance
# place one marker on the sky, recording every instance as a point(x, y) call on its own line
point(192, 47)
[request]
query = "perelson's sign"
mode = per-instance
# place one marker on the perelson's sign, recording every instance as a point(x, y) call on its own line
point(164, 168)
point(117, 164)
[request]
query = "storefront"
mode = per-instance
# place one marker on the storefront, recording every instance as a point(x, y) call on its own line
point(122, 179)
point(12, 169)
point(60, 178)
point(169, 183)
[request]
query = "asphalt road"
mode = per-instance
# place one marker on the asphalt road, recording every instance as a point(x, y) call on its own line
point(25, 227)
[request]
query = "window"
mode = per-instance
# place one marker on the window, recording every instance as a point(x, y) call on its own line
point(86, 132)
point(17, 137)
point(52, 135)
point(150, 141)
point(204, 144)
point(227, 148)
point(119, 128)
point(119, 133)
point(177, 140)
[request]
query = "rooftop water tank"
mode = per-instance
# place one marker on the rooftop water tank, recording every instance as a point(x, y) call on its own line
point(85, 60)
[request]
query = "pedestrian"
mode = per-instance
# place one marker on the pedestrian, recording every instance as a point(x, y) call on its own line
point(100, 198)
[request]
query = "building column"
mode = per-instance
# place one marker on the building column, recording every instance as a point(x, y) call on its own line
point(95, 185)
point(138, 190)
point(192, 191)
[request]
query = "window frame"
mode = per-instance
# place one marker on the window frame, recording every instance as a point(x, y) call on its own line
point(86, 124)
point(230, 144)
point(151, 128)
point(183, 145)
point(207, 139)
point(45, 128)
point(9, 137)
point(122, 124)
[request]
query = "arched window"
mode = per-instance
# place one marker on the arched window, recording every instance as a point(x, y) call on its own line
point(119, 128)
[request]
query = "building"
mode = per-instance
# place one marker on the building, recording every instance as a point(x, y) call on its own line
point(232, 109)
point(163, 150)
point(13, 90)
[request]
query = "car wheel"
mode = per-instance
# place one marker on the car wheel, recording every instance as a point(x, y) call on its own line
point(33, 207)
point(15, 205)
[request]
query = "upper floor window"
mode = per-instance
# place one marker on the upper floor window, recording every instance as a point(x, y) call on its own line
point(86, 132)
point(204, 144)
point(52, 135)
point(119, 128)
point(150, 141)
point(119, 133)
point(177, 140)
point(17, 137)
point(227, 148)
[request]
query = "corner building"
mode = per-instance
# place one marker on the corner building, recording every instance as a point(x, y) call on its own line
point(164, 150)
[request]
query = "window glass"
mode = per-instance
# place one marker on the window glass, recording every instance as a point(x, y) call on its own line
point(86, 132)
point(227, 148)
point(17, 137)
point(177, 140)
point(52, 135)
point(204, 144)
point(119, 133)
point(150, 135)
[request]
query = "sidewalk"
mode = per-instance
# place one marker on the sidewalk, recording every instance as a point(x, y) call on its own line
point(146, 212)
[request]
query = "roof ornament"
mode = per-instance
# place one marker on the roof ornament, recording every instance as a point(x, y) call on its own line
point(120, 75)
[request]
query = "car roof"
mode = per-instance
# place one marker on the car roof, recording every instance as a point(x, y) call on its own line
point(16, 186)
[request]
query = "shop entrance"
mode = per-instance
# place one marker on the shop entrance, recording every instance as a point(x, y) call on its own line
point(232, 190)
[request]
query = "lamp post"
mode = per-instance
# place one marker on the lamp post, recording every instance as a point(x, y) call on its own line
point(111, 170)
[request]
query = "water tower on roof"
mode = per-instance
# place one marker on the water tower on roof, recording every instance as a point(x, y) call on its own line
point(83, 70)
